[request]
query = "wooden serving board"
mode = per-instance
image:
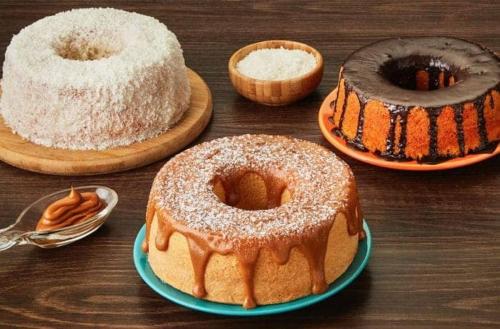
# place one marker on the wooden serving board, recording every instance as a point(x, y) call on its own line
point(23, 154)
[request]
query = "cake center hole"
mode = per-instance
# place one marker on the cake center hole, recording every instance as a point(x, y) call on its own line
point(87, 46)
point(251, 190)
point(420, 73)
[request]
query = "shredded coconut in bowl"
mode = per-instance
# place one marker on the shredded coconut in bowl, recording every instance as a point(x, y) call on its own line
point(276, 64)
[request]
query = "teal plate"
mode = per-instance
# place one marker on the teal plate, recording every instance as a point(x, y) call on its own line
point(176, 296)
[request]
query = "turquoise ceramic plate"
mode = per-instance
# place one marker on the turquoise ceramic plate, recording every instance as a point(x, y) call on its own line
point(176, 296)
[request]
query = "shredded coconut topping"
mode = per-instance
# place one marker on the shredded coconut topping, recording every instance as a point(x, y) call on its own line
point(93, 79)
point(183, 187)
point(276, 64)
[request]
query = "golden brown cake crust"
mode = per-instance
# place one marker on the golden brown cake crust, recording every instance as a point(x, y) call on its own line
point(197, 197)
point(273, 283)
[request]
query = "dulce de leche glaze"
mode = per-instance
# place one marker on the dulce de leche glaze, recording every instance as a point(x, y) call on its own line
point(73, 209)
point(201, 246)
point(321, 186)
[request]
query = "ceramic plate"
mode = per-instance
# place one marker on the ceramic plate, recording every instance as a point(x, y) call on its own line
point(176, 296)
point(326, 128)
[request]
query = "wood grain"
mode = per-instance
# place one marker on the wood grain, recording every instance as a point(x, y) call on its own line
point(436, 253)
point(275, 93)
point(23, 154)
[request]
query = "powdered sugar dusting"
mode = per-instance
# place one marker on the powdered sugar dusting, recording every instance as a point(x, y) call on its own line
point(183, 187)
point(135, 88)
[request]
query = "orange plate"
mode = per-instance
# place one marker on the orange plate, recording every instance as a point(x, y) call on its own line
point(339, 143)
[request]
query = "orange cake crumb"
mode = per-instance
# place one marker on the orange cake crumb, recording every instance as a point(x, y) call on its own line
point(376, 126)
point(418, 141)
point(447, 141)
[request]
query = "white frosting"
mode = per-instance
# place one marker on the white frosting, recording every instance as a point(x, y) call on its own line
point(137, 92)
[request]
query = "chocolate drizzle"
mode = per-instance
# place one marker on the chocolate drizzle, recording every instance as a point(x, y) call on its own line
point(492, 101)
point(347, 91)
point(382, 72)
point(398, 114)
point(313, 245)
point(357, 142)
point(434, 74)
point(391, 136)
point(481, 122)
point(459, 119)
point(433, 134)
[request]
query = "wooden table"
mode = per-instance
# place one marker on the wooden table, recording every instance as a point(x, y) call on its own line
point(436, 258)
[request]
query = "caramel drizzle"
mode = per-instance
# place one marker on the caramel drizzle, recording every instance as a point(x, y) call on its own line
point(314, 249)
point(202, 246)
point(247, 259)
point(150, 211)
point(73, 209)
point(200, 254)
point(399, 113)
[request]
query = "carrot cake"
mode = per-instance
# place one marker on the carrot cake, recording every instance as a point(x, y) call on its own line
point(422, 98)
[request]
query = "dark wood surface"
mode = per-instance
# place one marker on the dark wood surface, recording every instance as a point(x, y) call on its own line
point(436, 258)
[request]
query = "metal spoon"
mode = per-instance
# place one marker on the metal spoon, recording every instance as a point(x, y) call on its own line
point(22, 231)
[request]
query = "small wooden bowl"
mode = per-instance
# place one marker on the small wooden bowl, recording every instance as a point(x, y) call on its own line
point(275, 93)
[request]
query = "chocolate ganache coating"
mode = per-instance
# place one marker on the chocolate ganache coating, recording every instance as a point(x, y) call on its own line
point(432, 74)
point(476, 68)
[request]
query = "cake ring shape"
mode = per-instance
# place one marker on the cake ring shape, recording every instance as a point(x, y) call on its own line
point(422, 98)
point(356, 268)
point(93, 79)
point(23, 154)
point(328, 130)
point(253, 220)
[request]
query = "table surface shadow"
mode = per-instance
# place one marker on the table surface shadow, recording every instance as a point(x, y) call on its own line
point(436, 255)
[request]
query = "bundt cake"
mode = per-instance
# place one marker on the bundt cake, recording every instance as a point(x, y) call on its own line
point(93, 79)
point(422, 98)
point(253, 219)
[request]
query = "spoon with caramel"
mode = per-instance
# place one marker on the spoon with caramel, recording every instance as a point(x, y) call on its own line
point(73, 209)
point(61, 217)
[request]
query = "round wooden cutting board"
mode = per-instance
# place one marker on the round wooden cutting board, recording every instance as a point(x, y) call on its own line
point(23, 154)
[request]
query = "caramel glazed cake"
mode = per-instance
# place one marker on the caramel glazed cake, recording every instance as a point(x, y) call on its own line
point(253, 219)
point(93, 79)
point(426, 99)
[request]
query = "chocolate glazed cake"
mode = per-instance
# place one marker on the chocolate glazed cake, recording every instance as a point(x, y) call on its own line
point(422, 98)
